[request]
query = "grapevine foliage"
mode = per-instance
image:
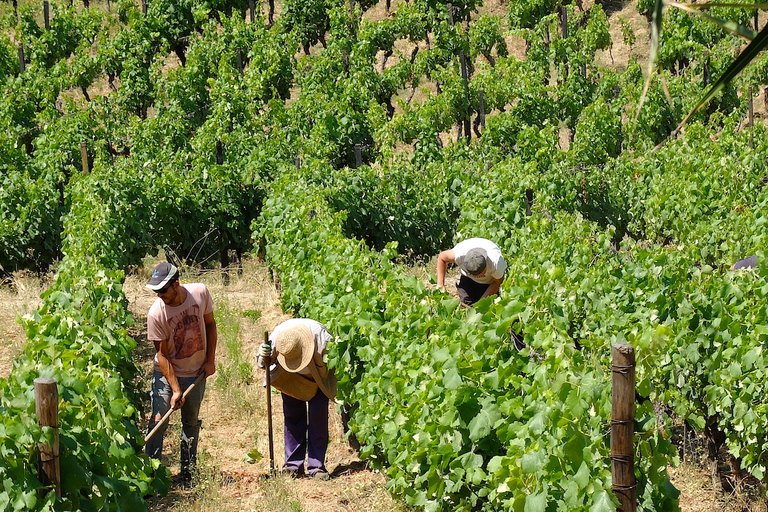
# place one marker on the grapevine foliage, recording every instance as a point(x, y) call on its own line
point(326, 140)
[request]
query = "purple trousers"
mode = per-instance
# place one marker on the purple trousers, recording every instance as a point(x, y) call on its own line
point(305, 432)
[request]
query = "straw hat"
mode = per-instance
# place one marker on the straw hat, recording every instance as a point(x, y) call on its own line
point(295, 348)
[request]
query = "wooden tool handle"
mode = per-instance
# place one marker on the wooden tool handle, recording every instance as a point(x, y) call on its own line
point(267, 364)
point(170, 411)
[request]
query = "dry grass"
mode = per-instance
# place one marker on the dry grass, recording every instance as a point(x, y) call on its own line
point(19, 295)
point(699, 492)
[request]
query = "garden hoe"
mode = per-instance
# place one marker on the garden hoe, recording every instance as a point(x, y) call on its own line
point(168, 414)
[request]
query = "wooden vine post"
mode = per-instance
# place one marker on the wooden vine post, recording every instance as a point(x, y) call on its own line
point(751, 118)
point(21, 59)
point(623, 427)
point(84, 156)
point(47, 410)
point(564, 33)
point(481, 108)
point(465, 125)
point(564, 22)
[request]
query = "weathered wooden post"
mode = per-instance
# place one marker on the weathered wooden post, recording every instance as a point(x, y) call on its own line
point(528, 201)
point(564, 33)
point(706, 72)
point(564, 22)
point(219, 153)
point(751, 118)
point(224, 256)
point(47, 410)
point(465, 79)
point(84, 156)
point(481, 108)
point(21, 59)
point(623, 427)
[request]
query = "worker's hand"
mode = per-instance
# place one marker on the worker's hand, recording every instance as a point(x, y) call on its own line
point(209, 367)
point(265, 351)
point(177, 400)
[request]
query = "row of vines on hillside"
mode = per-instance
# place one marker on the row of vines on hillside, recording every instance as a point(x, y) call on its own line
point(79, 338)
point(649, 270)
point(225, 100)
point(657, 276)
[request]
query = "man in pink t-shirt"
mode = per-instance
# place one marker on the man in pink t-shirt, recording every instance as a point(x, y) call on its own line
point(183, 329)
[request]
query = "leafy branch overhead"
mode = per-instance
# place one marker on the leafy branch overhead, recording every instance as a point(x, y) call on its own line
point(758, 42)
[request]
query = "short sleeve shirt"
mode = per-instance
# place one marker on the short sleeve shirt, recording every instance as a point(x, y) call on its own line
point(183, 329)
point(496, 265)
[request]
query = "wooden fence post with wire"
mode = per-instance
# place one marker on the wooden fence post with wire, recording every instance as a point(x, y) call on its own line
point(623, 426)
point(47, 410)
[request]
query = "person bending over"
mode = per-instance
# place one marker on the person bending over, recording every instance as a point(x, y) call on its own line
point(482, 269)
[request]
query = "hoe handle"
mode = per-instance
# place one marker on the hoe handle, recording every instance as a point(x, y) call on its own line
point(168, 414)
point(267, 364)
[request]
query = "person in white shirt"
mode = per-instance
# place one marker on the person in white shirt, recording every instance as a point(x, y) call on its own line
point(482, 269)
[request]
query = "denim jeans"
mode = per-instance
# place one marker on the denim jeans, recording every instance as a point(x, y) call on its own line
point(190, 422)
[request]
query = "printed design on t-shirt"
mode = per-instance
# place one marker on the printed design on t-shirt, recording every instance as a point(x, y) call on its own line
point(188, 334)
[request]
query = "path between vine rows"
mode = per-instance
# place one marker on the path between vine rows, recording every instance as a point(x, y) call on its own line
point(235, 420)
